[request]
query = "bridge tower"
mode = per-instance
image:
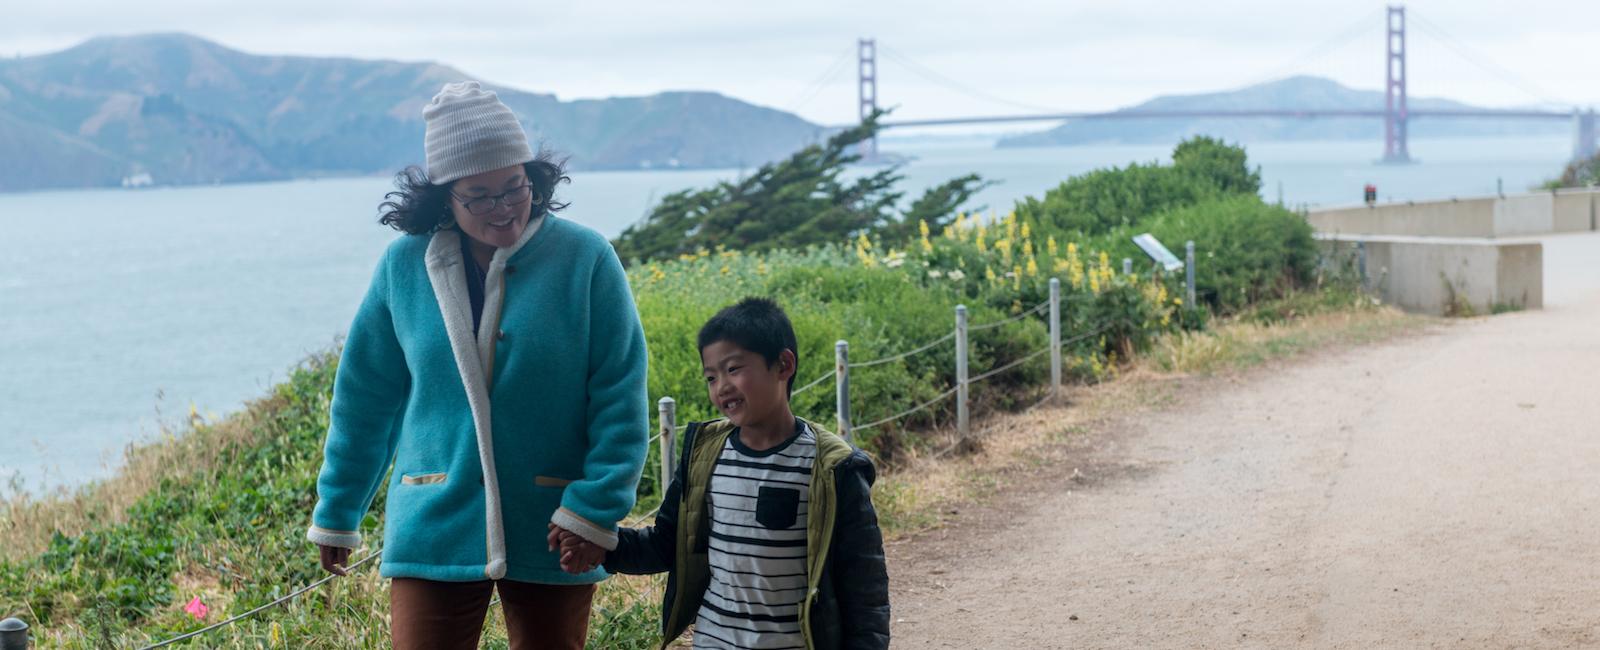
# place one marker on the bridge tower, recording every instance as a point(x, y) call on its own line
point(1583, 132)
point(1394, 107)
point(867, 88)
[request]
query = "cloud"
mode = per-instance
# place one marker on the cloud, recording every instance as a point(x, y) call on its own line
point(1076, 55)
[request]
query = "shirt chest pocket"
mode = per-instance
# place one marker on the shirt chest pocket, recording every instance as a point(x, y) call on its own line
point(777, 507)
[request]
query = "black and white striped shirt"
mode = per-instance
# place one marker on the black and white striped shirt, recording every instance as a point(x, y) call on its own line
point(758, 545)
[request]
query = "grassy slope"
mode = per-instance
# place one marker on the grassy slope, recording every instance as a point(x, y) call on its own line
point(218, 512)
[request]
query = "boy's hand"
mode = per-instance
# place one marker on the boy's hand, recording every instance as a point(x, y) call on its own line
point(577, 554)
point(581, 555)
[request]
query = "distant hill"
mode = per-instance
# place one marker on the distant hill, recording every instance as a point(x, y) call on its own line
point(187, 110)
point(1292, 93)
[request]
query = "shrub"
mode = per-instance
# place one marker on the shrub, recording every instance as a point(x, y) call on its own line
point(1203, 169)
point(1246, 250)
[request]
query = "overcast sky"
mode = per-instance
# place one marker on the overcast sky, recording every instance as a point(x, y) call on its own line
point(937, 58)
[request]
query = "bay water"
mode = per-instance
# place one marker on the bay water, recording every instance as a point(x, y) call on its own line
point(121, 310)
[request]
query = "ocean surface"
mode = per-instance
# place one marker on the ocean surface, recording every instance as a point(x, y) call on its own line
point(121, 310)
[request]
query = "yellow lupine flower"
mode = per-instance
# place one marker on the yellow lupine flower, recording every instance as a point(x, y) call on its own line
point(1033, 267)
point(988, 274)
point(1050, 245)
point(1026, 233)
point(982, 247)
point(1016, 278)
point(927, 246)
point(761, 269)
point(923, 227)
point(1094, 282)
point(1059, 266)
point(725, 269)
point(863, 242)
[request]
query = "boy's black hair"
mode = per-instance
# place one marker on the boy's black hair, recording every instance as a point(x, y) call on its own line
point(755, 324)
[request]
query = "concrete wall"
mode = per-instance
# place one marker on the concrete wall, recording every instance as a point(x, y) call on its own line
point(1575, 211)
point(1467, 218)
point(1523, 215)
point(1518, 215)
point(1446, 275)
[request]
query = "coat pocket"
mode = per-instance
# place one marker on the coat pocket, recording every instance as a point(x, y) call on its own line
point(777, 507)
point(551, 481)
point(422, 479)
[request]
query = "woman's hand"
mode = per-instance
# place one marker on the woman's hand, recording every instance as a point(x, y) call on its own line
point(334, 559)
point(578, 555)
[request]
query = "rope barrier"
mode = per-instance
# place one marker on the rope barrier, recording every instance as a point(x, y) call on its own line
point(1009, 366)
point(1036, 309)
point(942, 396)
point(813, 383)
point(913, 409)
point(292, 595)
point(902, 355)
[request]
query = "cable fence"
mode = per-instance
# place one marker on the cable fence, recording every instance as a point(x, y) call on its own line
point(669, 428)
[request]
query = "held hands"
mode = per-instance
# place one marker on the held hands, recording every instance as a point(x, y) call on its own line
point(577, 554)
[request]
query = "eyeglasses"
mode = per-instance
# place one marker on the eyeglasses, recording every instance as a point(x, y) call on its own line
point(481, 205)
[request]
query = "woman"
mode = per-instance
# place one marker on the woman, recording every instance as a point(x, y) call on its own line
point(498, 361)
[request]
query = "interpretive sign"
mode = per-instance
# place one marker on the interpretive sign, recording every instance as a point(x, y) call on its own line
point(1157, 252)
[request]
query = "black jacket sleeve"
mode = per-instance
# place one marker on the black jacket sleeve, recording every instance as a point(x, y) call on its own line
point(642, 551)
point(651, 549)
point(862, 577)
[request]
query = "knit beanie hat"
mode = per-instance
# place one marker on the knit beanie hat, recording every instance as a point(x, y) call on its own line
point(470, 132)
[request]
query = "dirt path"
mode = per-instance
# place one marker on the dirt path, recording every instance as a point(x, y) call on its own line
point(1438, 491)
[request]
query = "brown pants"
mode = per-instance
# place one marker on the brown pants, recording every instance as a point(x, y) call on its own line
point(426, 614)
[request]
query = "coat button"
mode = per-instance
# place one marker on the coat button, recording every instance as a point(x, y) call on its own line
point(500, 335)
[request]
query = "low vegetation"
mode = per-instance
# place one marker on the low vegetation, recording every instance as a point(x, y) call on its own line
point(217, 512)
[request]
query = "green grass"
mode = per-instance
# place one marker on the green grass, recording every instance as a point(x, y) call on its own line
point(218, 511)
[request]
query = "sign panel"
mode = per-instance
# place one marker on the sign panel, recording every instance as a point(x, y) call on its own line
point(1157, 252)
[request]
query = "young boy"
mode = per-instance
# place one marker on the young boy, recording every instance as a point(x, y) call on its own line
point(767, 531)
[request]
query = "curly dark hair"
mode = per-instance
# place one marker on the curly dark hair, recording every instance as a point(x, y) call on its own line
point(419, 207)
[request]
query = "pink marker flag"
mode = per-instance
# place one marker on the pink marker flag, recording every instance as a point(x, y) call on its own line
point(196, 608)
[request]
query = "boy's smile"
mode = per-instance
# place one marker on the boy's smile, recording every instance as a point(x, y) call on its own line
point(745, 389)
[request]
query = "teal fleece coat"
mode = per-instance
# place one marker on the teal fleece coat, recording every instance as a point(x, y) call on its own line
point(541, 417)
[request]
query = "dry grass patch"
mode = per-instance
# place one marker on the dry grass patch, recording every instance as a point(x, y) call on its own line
point(27, 521)
point(929, 484)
